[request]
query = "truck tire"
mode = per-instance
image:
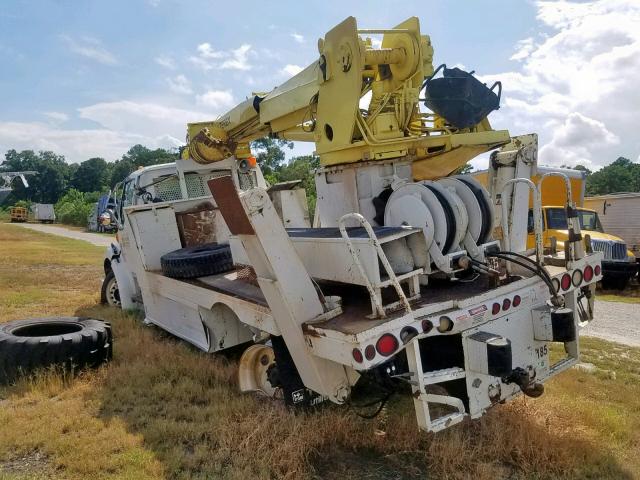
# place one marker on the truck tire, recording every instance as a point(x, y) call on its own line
point(70, 342)
point(197, 261)
point(110, 294)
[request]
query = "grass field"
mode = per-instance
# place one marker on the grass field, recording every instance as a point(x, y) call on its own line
point(162, 409)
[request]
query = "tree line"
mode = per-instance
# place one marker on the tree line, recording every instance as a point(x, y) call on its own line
point(55, 177)
point(75, 187)
point(621, 175)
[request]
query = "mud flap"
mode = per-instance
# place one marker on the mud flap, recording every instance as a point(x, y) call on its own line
point(285, 375)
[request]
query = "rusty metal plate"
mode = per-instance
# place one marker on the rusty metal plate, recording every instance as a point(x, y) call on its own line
point(226, 196)
point(197, 226)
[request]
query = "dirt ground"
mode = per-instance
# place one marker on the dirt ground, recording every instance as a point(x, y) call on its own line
point(163, 410)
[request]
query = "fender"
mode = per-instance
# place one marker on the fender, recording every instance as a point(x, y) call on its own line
point(126, 285)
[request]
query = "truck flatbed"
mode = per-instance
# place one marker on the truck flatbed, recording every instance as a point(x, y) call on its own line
point(232, 283)
point(454, 297)
point(354, 319)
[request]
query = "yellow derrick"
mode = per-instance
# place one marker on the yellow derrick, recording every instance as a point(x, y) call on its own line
point(322, 104)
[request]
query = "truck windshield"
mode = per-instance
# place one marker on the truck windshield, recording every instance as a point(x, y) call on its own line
point(557, 220)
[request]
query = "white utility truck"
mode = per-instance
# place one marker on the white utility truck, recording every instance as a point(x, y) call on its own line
point(413, 280)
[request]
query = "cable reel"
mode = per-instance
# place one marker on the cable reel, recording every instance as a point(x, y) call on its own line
point(455, 214)
point(427, 206)
point(483, 200)
point(458, 217)
point(471, 197)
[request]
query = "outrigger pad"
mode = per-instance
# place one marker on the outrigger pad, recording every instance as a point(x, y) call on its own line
point(460, 98)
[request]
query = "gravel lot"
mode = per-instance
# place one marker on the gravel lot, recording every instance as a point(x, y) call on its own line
point(617, 322)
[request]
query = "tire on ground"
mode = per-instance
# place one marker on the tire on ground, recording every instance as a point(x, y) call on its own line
point(197, 261)
point(109, 293)
point(69, 342)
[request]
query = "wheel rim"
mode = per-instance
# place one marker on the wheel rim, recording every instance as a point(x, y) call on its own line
point(113, 293)
point(253, 370)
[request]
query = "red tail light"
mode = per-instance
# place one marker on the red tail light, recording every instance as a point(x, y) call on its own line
point(387, 344)
point(506, 304)
point(565, 283)
point(369, 352)
point(357, 355)
point(588, 273)
point(598, 270)
point(516, 300)
point(495, 309)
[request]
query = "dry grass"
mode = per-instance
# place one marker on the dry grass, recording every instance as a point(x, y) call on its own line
point(162, 409)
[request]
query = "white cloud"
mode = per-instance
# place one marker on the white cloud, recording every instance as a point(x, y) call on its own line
point(297, 37)
point(76, 145)
point(166, 62)
point(239, 59)
point(90, 48)
point(142, 118)
point(180, 84)
point(376, 42)
point(209, 58)
point(577, 85)
point(291, 70)
point(523, 49)
point(121, 125)
point(57, 117)
point(205, 50)
point(216, 99)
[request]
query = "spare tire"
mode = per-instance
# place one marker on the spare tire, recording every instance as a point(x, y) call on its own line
point(197, 261)
point(70, 342)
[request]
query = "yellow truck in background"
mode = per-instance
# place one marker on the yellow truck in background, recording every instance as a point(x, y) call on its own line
point(18, 214)
point(619, 264)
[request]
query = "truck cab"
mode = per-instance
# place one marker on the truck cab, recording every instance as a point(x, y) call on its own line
point(183, 188)
point(619, 264)
point(157, 185)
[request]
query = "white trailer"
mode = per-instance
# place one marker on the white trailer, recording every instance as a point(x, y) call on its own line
point(43, 212)
point(619, 214)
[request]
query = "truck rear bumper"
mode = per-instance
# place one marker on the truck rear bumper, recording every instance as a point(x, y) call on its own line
point(482, 350)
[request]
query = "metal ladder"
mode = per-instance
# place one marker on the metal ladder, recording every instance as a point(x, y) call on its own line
point(393, 279)
point(420, 380)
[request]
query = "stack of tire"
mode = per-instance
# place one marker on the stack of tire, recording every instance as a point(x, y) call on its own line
point(67, 342)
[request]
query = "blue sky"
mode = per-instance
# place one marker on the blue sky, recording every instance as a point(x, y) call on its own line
point(91, 78)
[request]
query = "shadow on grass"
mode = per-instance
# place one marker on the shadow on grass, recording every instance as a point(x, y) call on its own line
point(185, 405)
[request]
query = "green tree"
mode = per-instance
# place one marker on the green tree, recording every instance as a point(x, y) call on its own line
point(466, 168)
point(582, 168)
point(138, 156)
point(91, 175)
point(622, 175)
point(75, 206)
point(270, 155)
point(302, 168)
point(50, 182)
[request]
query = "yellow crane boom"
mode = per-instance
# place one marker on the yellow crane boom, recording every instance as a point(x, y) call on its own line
point(324, 104)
